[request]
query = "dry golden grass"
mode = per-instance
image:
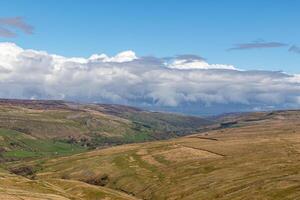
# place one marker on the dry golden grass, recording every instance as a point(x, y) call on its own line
point(14, 187)
point(258, 160)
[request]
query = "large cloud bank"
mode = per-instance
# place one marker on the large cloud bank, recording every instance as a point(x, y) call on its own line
point(175, 82)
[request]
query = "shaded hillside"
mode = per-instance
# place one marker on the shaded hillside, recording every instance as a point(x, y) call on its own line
point(36, 127)
point(259, 160)
point(156, 121)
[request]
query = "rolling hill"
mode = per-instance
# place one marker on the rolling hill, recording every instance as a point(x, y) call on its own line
point(247, 156)
point(13, 187)
point(31, 128)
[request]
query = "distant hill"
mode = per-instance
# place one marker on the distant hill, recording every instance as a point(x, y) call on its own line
point(30, 128)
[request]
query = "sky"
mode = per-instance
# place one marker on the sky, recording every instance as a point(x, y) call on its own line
point(244, 54)
point(163, 28)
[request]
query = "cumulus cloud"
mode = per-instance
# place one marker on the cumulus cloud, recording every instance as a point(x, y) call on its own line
point(125, 56)
point(175, 82)
point(194, 62)
point(258, 45)
point(14, 23)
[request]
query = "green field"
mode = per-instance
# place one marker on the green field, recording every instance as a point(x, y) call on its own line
point(15, 144)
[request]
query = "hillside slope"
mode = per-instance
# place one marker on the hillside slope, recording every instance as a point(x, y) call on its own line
point(30, 128)
point(13, 187)
point(257, 158)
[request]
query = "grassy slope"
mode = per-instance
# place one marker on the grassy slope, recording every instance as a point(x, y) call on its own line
point(14, 187)
point(255, 158)
point(38, 128)
point(259, 160)
point(15, 144)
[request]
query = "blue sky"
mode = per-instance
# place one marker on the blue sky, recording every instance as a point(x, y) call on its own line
point(163, 28)
point(195, 57)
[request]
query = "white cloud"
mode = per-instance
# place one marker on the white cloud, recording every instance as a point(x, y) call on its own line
point(125, 56)
point(196, 64)
point(143, 81)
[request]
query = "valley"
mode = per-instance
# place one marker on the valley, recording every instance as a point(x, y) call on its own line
point(235, 156)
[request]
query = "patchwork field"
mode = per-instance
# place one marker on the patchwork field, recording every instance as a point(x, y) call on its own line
point(256, 158)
